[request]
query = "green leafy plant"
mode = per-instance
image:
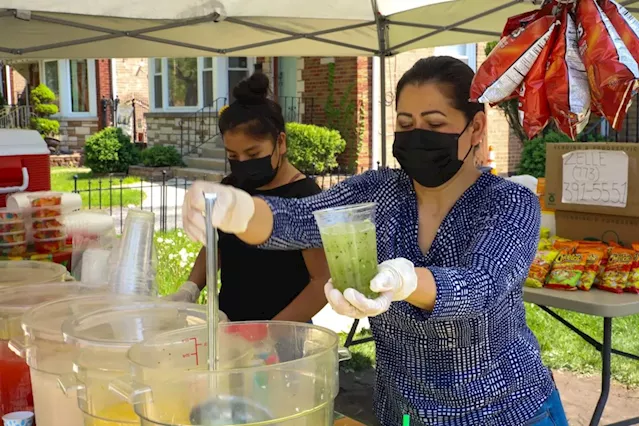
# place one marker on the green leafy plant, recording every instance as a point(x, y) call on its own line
point(344, 116)
point(161, 156)
point(534, 153)
point(110, 151)
point(313, 149)
point(42, 99)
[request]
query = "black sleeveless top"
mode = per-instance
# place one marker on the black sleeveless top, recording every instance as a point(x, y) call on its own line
point(258, 284)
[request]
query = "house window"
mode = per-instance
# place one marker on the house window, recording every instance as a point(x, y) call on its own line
point(207, 82)
point(182, 77)
point(157, 83)
point(79, 85)
point(74, 84)
point(465, 52)
point(239, 69)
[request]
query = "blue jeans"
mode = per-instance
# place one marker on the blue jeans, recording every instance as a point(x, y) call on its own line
point(551, 413)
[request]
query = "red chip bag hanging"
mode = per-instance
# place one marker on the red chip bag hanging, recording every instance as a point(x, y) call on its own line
point(566, 83)
point(625, 24)
point(611, 69)
point(524, 19)
point(504, 69)
point(533, 106)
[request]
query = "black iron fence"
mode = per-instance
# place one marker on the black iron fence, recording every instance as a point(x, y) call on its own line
point(200, 128)
point(162, 195)
point(297, 109)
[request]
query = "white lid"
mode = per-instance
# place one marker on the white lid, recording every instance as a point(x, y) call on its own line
point(21, 142)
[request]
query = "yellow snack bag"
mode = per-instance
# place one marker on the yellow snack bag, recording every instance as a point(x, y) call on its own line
point(540, 268)
point(632, 282)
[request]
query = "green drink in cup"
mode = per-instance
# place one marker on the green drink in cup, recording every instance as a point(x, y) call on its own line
point(349, 239)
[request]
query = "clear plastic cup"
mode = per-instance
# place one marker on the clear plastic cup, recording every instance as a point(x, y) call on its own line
point(349, 239)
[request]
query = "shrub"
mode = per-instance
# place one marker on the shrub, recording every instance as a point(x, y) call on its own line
point(110, 151)
point(534, 153)
point(42, 99)
point(313, 149)
point(161, 156)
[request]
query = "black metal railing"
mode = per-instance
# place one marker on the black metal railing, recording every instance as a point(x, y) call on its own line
point(15, 116)
point(297, 109)
point(200, 128)
point(163, 195)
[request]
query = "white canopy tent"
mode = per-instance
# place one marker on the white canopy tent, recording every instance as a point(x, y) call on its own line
point(53, 29)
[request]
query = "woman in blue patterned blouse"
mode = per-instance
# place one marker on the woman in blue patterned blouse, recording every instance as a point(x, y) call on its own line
point(454, 246)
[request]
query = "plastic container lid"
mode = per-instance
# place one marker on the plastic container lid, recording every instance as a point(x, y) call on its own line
point(24, 272)
point(17, 300)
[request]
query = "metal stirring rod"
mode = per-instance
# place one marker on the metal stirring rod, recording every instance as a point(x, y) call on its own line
point(212, 282)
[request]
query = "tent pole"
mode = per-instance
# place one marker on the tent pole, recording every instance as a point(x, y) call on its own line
point(383, 111)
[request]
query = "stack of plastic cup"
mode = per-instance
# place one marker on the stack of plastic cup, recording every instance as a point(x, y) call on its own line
point(133, 261)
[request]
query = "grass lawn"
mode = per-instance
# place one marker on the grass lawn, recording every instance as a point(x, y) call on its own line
point(561, 348)
point(62, 180)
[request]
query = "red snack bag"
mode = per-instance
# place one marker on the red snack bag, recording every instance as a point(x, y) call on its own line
point(616, 273)
point(634, 274)
point(569, 247)
point(533, 106)
point(594, 257)
point(566, 81)
point(524, 19)
point(504, 69)
point(625, 24)
point(611, 70)
point(566, 271)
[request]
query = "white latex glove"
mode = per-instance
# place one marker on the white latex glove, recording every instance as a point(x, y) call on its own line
point(189, 293)
point(232, 211)
point(396, 280)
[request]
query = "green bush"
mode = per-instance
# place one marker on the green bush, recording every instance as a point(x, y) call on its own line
point(534, 153)
point(110, 151)
point(42, 99)
point(161, 156)
point(313, 149)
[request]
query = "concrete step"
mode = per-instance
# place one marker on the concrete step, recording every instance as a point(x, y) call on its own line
point(189, 173)
point(213, 152)
point(215, 164)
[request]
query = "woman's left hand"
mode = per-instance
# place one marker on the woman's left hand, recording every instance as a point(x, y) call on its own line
point(396, 280)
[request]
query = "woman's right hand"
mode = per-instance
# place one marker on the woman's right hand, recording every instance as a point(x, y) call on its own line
point(232, 211)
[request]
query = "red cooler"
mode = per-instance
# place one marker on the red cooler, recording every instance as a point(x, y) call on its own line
point(24, 163)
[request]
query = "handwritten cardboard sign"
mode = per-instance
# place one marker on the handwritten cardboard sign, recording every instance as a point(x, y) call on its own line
point(595, 178)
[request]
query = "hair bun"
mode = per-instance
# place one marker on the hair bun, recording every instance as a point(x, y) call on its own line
point(252, 90)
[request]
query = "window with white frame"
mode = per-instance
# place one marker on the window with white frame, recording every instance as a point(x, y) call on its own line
point(189, 84)
point(74, 84)
point(465, 52)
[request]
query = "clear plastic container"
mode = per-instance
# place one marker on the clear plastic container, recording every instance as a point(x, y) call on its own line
point(13, 249)
point(349, 240)
point(46, 212)
point(25, 272)
point(49, 245)
point(45, 200)
point(16, 390)
point(10, 215)
point(294, 386)
point(13, 237)
point(102, 340)
point(51, 360)
point(47, 223)
point(12, 226)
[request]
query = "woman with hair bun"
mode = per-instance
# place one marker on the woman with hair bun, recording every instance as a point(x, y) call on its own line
point(261, 284)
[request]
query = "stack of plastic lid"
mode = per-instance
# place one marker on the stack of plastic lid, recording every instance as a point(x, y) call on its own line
point(13, 238)
point(24, 272)
point(49, 235)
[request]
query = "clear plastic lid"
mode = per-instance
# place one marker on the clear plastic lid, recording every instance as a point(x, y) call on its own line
point(122, 326)
point(26, 272)
point(45, 320)
point(16, 300)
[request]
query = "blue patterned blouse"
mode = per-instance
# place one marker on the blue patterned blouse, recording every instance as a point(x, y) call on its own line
point(472, 360)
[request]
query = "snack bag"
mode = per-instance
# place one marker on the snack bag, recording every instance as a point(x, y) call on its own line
point(591, 268)
point(616, 273)
point(544, 244)
point(524, 19)
point(540, 268)
point(533, 106)
point(603, 263)
point(625, 24)
point(566, 271)
point(632, 282)
point(545, 232)
point(611, 69)
point(510, 61)
point(569, 247)
point(566, 83)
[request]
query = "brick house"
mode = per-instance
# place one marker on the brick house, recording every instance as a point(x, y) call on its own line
point(80, 87)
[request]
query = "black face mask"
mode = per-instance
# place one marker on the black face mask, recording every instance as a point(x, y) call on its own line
point(428, 157)
point(252, 174)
